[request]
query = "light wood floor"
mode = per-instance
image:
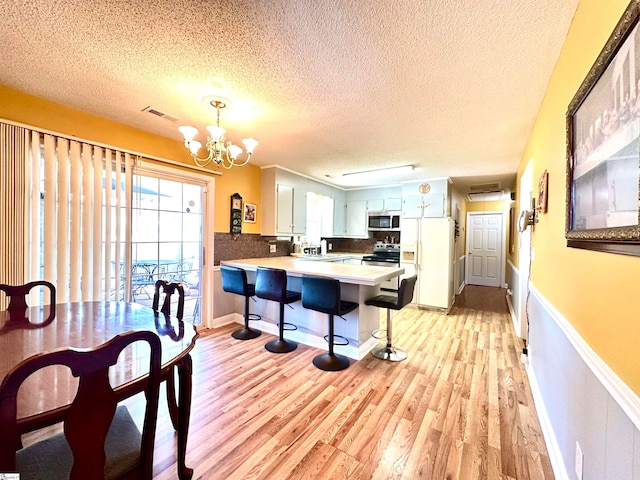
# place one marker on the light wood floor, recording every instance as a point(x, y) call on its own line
point(459, 407)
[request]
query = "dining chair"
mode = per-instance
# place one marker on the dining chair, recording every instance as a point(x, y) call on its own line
point(18, 294)
point(18, 305)
point(162, 286)
point(100, 439)
point(167, 328)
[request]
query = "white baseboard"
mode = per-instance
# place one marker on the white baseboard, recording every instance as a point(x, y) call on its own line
point(555, 455)
point(351, 351)
point(226, 320)
point(514, 318)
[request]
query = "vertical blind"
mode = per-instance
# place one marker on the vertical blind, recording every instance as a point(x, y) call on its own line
point(72, 231)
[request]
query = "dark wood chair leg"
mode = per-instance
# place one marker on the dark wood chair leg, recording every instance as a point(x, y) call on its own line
point(171, 398)
point(185, 368)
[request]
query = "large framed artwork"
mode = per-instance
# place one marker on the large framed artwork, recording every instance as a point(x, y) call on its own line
point(603, 158)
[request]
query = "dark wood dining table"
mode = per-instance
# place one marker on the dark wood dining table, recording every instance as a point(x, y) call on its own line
point(87, 325)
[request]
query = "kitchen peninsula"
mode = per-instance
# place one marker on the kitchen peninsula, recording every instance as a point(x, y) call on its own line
point(359, 283)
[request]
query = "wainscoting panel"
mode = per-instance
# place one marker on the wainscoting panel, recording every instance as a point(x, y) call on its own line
point(580, 400)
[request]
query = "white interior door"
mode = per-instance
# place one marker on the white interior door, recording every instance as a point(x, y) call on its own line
point(485, 254)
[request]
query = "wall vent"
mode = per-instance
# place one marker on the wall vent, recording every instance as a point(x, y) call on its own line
point(160, 114)
point(485, 196)
point(485, 187)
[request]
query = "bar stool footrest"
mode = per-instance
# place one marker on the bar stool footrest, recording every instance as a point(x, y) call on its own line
point(288, 326)
point(254, 317)
point(379, 334)
point(342, 341)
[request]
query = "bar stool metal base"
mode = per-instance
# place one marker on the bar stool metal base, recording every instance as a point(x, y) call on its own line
point(281, 346)
point(388, 352)
point(331, 363)
point(246, 333)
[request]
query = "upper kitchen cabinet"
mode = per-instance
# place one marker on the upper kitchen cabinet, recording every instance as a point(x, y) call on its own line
point(384, 204)
point(426, 199)
point(356, 219)
point(283, 203)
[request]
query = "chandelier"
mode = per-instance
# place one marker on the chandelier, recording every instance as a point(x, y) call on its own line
point(224, 154)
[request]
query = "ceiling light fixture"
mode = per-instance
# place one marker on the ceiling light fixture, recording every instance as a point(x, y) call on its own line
point(223, 153)
point(379, 171)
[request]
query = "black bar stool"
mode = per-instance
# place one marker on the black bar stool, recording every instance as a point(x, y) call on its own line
point(390, 302)
point(323, 295)
point(271, 284)
point(234, 280)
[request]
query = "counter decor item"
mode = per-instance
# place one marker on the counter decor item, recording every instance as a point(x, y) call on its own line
point(603, 158)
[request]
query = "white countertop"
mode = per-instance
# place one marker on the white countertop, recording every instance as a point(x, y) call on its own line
point(296, 267)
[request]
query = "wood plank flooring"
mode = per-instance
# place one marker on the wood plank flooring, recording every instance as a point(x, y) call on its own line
point(459, 407)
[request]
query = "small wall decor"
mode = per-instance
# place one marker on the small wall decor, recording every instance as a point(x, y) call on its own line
point(250, 213)
point(235, 227)
point(543, 186)
point(603, 157)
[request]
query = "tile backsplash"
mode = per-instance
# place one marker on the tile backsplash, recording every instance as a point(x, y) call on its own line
point(257, 246)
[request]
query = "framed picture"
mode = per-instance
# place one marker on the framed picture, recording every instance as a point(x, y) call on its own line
point(543, 186)
point(603, 158)
point(249, 213)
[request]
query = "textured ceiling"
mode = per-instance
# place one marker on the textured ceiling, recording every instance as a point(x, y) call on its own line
point(327, 86)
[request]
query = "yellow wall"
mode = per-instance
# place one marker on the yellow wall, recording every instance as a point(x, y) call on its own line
point(27, 109)
point(493, 206)
point(596, 292)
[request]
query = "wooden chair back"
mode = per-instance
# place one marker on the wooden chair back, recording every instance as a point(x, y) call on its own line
point(18, 305)
point(162, 286)
point(90, 415)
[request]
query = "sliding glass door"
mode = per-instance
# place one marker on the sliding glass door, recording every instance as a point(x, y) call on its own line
point(166, 239)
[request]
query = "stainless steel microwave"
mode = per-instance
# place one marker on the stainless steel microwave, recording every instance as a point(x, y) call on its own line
point(386, 221)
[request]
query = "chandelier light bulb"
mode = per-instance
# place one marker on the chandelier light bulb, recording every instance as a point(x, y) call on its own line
point(250, 144)
point(216, 132)
point(194, 146)
point(188, 132)
point(234, 150)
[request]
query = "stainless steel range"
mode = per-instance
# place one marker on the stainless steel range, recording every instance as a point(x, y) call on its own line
point(385, 255)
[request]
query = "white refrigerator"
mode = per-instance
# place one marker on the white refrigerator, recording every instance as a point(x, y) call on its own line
point(427, 248)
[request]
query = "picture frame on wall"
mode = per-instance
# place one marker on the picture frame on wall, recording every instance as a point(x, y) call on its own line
point(250, 211)
point(543, 187)
point(603, 154)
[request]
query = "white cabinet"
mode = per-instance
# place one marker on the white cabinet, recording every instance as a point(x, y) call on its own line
point(375, 205)
point(384, 204)
point(393, 204)
point(356, 219)
point(430, 205)
point(284, 209)
point(339, 211)
point(283, 205)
